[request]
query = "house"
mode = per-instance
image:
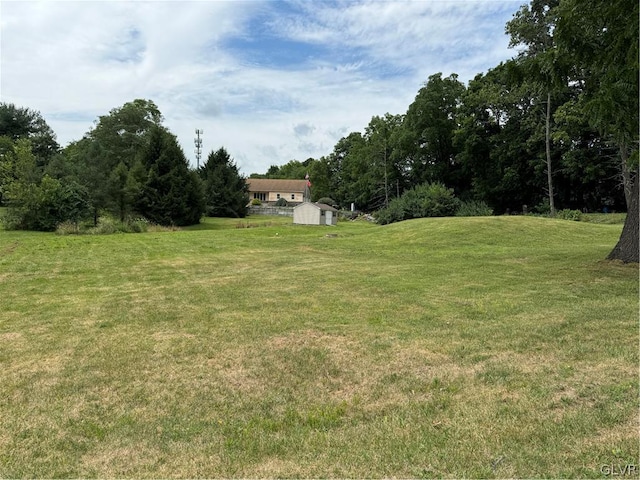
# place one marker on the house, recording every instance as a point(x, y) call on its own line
point(309, 213)
point(272, 190)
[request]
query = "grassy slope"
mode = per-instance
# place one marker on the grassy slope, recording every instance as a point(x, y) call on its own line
point(482, 347)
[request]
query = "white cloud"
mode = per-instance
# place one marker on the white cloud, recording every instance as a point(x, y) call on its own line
point(74, 61)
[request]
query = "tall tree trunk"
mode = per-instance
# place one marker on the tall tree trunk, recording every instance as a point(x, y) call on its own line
point(628, 247)
point(626, 173)
point(552, 205)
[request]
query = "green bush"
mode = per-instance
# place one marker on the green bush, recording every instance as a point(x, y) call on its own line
point(281, 202)
point(474, 208)
point(106, 226)
point(393, 213)
point(42, 206)
point(426, 200)
point(566, 214)
point(138, 225)
point(327, 201)
point(256, 202)
point(430, 200)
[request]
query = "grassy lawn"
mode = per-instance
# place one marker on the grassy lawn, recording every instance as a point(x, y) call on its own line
point(453, 347)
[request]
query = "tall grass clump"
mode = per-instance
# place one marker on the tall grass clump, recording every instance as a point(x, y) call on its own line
point(566, 214)
point(474, 208)
point(69, 228)
point(108, 225)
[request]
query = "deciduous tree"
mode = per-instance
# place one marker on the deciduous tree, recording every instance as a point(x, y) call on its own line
point(532, 27)
point(24, 123)
point(430, 122)
point(601, 39)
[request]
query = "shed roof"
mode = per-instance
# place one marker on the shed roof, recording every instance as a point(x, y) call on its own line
point(275, 185)
point(321, 206)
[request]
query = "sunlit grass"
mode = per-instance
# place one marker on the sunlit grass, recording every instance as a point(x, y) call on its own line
point(479, 347)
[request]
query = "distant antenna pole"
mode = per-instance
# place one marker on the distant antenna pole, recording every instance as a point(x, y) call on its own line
point(198, 143)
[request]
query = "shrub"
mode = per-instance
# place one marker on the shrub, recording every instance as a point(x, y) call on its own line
point(543, 207)
point(393, 213)
point(256, 202)
point(281, 202)
point(327, 201)
point(106, 226)
point(474, 209)
point(138, 225)
point(431, 200)
point(42, 206)
point(426, 200)
point(566, 214)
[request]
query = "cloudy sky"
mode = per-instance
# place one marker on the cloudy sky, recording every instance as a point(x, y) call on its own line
point(271, 80)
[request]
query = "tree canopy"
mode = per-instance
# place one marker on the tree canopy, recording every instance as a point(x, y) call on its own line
point(24, 123)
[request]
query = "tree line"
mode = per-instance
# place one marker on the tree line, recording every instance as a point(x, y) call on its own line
point(128, 165)
point(554, 127)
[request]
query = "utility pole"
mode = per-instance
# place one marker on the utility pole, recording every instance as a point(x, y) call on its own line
point(198, 143)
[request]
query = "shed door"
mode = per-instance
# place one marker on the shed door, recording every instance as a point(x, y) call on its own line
point(329, 217)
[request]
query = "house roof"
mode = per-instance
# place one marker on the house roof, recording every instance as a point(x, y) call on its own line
point(275, 185)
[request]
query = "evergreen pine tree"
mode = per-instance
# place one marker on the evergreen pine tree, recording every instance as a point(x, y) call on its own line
point(171, 193)
point(226, 191)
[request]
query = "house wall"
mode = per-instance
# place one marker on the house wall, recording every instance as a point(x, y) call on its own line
point(288, 196)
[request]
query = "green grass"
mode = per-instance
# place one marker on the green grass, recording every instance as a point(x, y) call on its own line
point(605, 218)
point(457, 347)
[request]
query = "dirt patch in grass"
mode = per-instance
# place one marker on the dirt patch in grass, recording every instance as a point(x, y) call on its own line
point(9, 249)
point(628, 431)
point(11, 337)
point(274, 467)
point(169, 336)
point(121, 461)
point(321, 367)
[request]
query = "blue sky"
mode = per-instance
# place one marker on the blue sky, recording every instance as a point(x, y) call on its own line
point(271, 81)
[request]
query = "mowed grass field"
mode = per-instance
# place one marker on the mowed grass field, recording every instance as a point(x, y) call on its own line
point(433, 348)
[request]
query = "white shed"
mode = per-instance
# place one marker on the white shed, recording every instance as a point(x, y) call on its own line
point(315, 214)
